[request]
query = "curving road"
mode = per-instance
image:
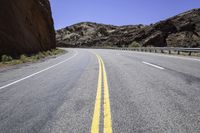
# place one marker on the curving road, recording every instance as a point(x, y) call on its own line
point(89, 90)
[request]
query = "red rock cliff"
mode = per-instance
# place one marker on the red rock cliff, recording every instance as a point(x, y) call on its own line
point(26, 26)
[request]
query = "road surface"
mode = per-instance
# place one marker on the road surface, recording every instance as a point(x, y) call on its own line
point(88, 90)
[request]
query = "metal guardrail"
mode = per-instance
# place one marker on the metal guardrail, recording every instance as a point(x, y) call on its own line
point(162, 49)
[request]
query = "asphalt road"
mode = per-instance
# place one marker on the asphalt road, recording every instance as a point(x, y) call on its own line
point(89, 90)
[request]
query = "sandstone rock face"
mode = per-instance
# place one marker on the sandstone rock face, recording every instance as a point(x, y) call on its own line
point(182, 30)
point(26, 26)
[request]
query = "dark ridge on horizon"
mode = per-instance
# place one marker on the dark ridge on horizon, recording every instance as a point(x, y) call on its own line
point(182, 30)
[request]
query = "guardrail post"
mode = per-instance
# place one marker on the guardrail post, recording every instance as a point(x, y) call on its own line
point(162, 50)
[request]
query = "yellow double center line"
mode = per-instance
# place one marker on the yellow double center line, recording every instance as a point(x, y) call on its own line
point(106, 105)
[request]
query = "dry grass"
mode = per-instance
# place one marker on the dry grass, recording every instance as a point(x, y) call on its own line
point(9, 61)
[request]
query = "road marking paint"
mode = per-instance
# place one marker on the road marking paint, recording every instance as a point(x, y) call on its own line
point(97, 108)
point(106, 100)
point(17, 81)
point(159, 67)
point(107, 110)
point(170, 56)
point(196, 59)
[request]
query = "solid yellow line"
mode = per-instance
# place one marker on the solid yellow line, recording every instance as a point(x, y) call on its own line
point(97, 108)
point(107, 110)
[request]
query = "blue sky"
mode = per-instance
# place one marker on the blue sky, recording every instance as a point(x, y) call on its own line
point(117, 12)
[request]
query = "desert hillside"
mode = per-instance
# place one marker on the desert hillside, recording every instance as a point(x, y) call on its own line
point(182, 30)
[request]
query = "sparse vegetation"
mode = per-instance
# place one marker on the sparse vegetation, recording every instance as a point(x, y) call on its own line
point(41, 55)
point(135, 44)
point(8, 60)
point(23, 58)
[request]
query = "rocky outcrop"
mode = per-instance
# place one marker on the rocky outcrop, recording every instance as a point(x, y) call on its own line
point(182, 30)
point(83, 34)
point(26, 26)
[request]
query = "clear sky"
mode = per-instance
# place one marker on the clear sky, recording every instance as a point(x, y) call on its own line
point(117, 12)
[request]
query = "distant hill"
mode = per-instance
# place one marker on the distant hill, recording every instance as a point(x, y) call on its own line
point(26, 27)
point(182, 30)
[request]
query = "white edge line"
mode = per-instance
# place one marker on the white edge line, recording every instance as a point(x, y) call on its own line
point(196, 59)
point(170, 56)
point(159, 67)
point(17, 81)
